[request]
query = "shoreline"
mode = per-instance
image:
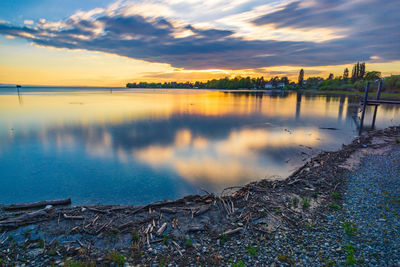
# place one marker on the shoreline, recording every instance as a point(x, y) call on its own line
point(191, 229)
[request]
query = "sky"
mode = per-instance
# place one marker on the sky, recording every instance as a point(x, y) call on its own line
point(110, 43)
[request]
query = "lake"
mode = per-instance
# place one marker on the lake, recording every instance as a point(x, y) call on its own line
point(120, 146)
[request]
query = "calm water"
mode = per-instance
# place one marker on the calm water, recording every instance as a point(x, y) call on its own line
point(137, 146)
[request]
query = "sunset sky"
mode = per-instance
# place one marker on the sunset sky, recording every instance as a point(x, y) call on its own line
point(109, 43)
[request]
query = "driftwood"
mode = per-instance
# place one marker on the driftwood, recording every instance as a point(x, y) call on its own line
point(201, 210)
point(232, 231)
point(40, 204)
point(162, 229)
point(28, 217)
point(69, 217)
point(168, 210)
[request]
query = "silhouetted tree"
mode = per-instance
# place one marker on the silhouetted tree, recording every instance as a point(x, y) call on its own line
point(361, 71)
point(301, 77)
point(372, 75)
point(330, 76)
point(285, 80)
point(345, 74)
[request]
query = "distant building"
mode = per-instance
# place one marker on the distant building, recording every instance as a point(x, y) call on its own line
point(280, 85)
point(268, 86)
point(391, 76)
point(271, 86)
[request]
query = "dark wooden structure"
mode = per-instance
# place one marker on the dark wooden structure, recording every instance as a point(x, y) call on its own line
point(376, 102)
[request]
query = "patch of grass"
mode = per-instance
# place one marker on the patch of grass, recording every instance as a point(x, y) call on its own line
point(335, 206)
point(239, 263)
point(189, 243)
point(314, 195)
point(165, 239)
point(116, 258)
point(1, 260)
point(397, 141)
point(349, 228)
point(305, 202)
point(75, 264)
point(350, 259)
point(330, 263)
point(285, 258)
point(51, 252)
point(135, 237)
point(27, 233)
point(114, 231)
point(223, 238)
point(336, 196)
point(252, 251)
point(295, 201)
point(41, 243)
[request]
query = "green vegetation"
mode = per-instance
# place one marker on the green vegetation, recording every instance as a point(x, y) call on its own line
point(75, 264)
point(336, 196)
point(223, 238)
point(116, 258)
point(189, 243)
point(350, 259)
point(236, 264)
point(27, 233)
point(165, 239)
point(335, 206)
point(397, 141)
point(301, 77)
point(344, 83)
point(252, 251)
point(224, 83)
point(314, 195)
point(135, 237)
point(349, 228)
point(305, 202)
point(51, 252)
point(295, 201)
point(285, 258)
point(41, 243)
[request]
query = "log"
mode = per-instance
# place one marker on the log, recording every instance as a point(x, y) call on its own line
point(162, 229)
point(40, 204)
point(232, 231)
point(201, 210)
point(69, 217)
point(28, 216)
point(169, 210)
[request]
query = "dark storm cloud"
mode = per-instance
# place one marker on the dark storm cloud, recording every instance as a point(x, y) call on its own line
point(370, 29)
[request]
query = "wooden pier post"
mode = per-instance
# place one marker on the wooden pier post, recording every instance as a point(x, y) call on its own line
point(364, 108)
point(378, 96)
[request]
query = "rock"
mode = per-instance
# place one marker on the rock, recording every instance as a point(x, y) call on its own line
point(35, 252)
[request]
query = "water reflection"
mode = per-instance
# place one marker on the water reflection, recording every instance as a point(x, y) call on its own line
point(117, 146)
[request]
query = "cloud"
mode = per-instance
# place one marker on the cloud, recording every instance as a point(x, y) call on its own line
point(348, 34)
point(28, 22)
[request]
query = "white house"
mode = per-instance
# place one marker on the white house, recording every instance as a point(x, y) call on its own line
point(280, 85)
point(268, 86)
point(271, 86)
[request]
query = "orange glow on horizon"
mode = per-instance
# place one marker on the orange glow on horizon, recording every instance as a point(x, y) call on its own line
point(32, 65)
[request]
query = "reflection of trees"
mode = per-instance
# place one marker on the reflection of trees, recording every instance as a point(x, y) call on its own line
point(298, 105)
point(341, 105)
point(20, 100)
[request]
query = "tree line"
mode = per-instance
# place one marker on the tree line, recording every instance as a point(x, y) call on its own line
point(224, 83)
point(357, 80)
point(359, 76)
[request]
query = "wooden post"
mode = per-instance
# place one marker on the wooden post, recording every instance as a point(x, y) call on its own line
point(364, 108)
point(378, 96)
